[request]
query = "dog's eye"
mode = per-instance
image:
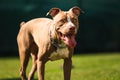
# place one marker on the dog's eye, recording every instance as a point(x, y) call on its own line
point(74, 20)
point(63, 20)
point(57, 28)
point(61, 24)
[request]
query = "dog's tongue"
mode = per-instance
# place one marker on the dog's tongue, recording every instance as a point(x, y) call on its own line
point(70, 41)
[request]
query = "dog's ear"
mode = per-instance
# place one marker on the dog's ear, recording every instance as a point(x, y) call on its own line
point(76, 10)
point(53, 12)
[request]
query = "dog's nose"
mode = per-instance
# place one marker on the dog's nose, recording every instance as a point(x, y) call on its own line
point(72, 28)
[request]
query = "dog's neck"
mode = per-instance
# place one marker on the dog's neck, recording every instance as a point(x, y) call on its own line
point(55, 43)
point(61, 50)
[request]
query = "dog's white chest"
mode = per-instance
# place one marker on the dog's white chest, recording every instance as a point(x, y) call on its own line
point(60, 53)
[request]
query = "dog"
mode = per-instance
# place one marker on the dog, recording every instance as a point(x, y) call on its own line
point(48, 39)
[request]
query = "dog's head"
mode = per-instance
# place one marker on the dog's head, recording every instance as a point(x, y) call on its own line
point(66, 24)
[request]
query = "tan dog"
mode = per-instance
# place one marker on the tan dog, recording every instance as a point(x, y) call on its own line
point(48, 39)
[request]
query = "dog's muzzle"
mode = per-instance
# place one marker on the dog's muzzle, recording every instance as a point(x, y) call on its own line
point(68, 39)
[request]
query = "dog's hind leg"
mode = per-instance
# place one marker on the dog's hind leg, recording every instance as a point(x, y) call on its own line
point(24, 58)
point(34, 51)
point(24, 51)
point(34, 67)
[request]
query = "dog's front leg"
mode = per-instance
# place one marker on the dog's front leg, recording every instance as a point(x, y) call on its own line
point(40, 68)
point(41, 60)
point(67, 68)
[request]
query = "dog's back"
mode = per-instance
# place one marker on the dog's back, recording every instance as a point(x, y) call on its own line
point(31, 29)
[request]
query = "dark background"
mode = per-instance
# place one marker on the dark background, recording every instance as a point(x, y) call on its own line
point(99, 25)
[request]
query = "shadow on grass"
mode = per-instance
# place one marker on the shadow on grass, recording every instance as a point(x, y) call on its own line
point(12, 79)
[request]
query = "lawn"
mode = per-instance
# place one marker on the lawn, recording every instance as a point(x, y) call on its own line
point(86, 67)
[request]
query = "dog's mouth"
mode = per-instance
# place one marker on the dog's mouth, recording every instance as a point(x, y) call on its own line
point(68, 39)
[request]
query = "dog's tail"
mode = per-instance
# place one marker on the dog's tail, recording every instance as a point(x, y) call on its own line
point(21, 24)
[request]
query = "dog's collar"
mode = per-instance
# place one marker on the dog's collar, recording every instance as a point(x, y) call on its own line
point(56, 43)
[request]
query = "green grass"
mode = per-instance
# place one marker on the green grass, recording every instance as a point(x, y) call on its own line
point(86, 67)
